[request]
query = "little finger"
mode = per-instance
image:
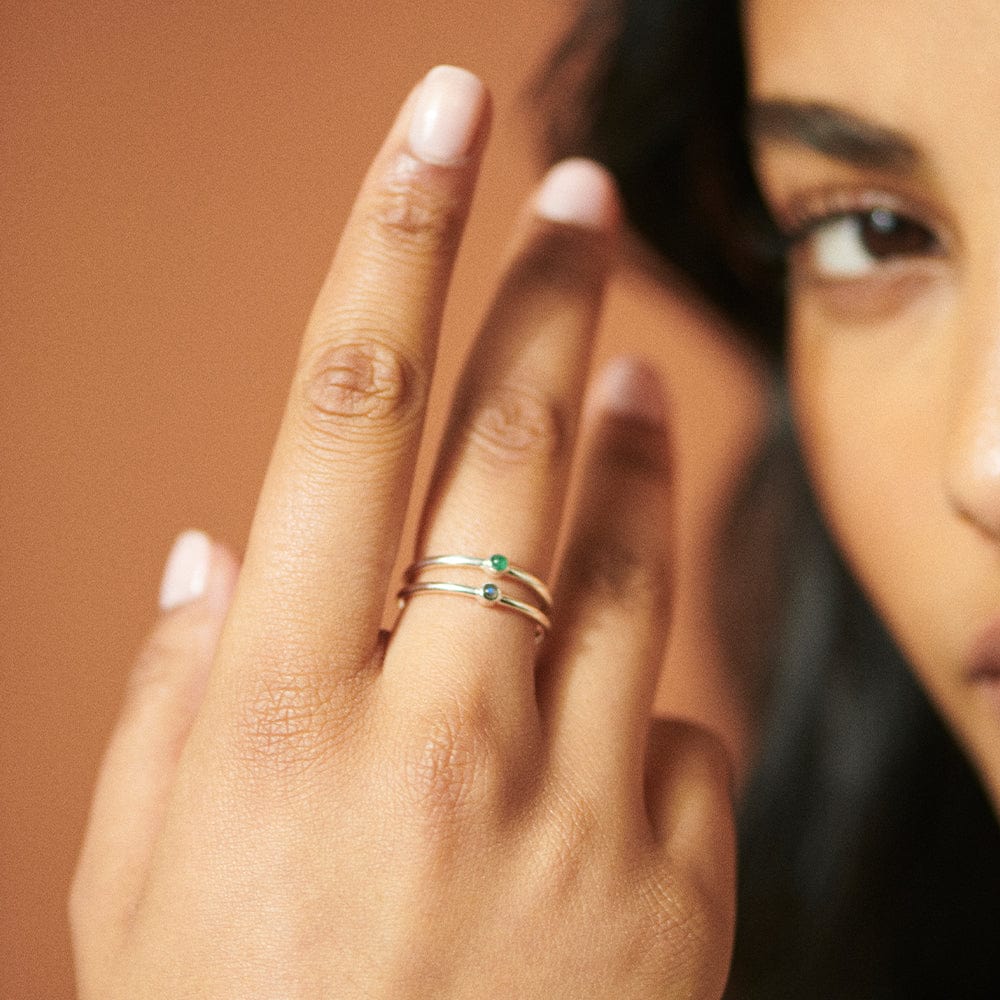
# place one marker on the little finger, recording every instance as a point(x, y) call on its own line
point(162, 697)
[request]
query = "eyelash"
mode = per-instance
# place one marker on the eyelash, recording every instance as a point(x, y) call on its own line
point(823, 210)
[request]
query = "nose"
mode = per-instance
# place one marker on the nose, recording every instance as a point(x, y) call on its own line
point(973, 457)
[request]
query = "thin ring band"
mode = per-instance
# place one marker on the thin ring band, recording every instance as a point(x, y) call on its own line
point(495, 565)
point(488, 594)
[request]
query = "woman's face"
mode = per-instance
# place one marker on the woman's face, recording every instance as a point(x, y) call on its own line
point(877, 137)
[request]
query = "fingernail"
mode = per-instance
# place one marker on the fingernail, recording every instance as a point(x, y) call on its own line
point(186, 572)
point(632, 388)
point(449, 107)
point(578, 192)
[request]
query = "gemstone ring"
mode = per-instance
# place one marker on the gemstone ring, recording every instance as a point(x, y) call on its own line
point(496, 565)
point(488, 594)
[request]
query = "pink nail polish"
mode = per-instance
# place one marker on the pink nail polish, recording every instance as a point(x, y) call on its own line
point(449, 109)
point(185, 575)
point(578, 192)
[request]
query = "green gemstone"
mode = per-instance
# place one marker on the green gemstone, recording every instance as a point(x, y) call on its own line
point(499, 563)
point(491, 591)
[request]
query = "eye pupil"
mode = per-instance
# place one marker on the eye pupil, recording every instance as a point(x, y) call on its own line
point(886, 234)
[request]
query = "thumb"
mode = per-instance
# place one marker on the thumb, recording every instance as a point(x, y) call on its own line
point(162, 696)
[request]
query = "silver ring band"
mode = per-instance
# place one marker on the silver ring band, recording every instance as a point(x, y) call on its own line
point(489, 594)
point(496, 565)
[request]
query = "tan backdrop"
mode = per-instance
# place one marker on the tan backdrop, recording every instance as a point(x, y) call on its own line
point(174, 176)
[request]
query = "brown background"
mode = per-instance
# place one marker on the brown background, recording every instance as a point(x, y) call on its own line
point(174, 177)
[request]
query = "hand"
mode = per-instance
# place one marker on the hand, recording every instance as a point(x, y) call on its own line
point(295, 804)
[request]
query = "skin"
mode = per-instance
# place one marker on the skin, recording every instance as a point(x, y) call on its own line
point(895, 367)
point(294, 804)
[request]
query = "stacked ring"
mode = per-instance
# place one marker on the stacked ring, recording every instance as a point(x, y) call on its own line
point(495, 565)
point(488, 594)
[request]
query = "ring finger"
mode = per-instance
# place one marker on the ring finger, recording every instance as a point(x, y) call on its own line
point(500, 480)
point(597, 679)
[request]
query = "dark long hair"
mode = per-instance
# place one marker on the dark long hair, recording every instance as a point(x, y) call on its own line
point(869, 856)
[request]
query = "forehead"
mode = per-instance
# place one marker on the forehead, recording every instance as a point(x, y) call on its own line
point(901, 60)
point(927, 69)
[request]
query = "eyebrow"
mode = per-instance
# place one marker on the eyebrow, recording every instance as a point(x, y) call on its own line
point(832, 132)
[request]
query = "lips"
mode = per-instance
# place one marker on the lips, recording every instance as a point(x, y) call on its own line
point(984, 657)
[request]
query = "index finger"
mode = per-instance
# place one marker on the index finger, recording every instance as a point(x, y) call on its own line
point(327, 524)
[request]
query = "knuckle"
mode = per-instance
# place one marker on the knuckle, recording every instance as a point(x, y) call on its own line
point(359, 389)
point(452, 770)
point(617, 571)
point(291, 722)
point(574, 837)
point(408, 215)
point(280, 723)
point(681, 916)
point(670, 925)
point(518, 426)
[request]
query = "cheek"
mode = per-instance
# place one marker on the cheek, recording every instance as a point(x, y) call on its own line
point(867, 412)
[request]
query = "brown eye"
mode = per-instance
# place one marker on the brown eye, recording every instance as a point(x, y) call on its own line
point(854, 244)
point(886, 234)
